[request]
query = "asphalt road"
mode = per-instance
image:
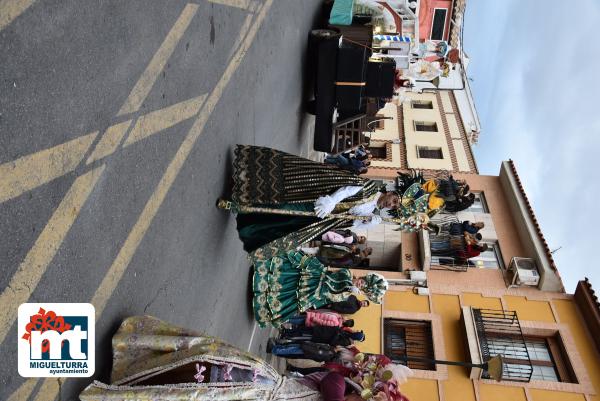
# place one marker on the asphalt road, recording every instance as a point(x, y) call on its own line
point(117, 127)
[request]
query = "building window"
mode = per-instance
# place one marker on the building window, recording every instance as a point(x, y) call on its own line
point(421, 104)
point(480, 205)
point(498, 332)
point(438, 24)
point(426, 152)
point(378, 121)
point(379, 153)
point(546, 356)
point(425, 126)
point(490, 259)
point(409, 338)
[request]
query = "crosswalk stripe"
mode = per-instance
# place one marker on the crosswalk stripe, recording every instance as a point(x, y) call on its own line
point(31, 171)
point(30, 271)
point(144, 85)
point(11, 9)
point(159, 120)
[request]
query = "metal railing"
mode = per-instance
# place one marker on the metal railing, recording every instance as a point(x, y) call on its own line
point(406, 338)
point(449, 263)
point(439, 262)
point(446, 262)
point(499, 333)
point(445, 218)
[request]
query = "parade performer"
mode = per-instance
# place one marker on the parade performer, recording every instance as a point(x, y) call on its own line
point(445, 193)
point(293, 282)
point(283, 201)
point(153, 360)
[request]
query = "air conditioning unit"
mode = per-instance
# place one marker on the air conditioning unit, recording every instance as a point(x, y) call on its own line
point(524, 272)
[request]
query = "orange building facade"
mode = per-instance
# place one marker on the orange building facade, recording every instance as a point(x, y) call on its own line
point(434, 19)
point(510, 301)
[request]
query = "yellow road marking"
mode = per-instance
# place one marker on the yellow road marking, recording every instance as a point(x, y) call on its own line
point(50, 387)
point(23, 392)
point(121, 262)
point(109, 141)
point(28, 172)
point(149, 76)
point(31, 270)
point(159, 120)
point(238, 39)
point(11, 9)
point(31, 171)
point(244, 4)
point(253, 6)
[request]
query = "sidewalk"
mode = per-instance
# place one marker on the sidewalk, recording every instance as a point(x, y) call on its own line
point(258, 347)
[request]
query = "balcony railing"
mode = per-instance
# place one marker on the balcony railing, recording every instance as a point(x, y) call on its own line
point(439, 262)
point(441, 249)
point(499, 333)
point(449, 263)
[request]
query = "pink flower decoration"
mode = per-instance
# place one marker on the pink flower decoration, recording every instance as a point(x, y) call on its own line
point(227, 372)
point(199, 376)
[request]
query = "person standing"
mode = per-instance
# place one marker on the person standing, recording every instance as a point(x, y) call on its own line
point(342, 237)
point(335, 336)
point(465, 227)
point(345, 162)
point(348, 306)
point(318, 352)
point(321, 317)
point(331, 252)
point(357, 259)
point(283, 201)
point(471, 251)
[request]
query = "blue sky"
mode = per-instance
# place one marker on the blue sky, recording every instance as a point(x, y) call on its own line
point(534, 76)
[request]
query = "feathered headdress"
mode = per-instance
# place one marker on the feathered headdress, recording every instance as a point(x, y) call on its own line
point(374, 287)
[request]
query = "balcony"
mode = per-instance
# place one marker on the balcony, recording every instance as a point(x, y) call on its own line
point(497, 332)
point(439, 251)
point(449, 263)
point(433, 262)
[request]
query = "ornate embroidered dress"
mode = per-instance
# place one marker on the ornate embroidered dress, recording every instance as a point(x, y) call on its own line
point(292, 282)
point(271, 178)
point(153, 360)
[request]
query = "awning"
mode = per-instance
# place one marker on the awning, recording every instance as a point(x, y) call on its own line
point(392, 38)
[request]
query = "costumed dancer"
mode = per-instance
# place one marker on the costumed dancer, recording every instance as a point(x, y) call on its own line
point(292, 282)
point(283, 201)
point(153, 360)
point(445, 194)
